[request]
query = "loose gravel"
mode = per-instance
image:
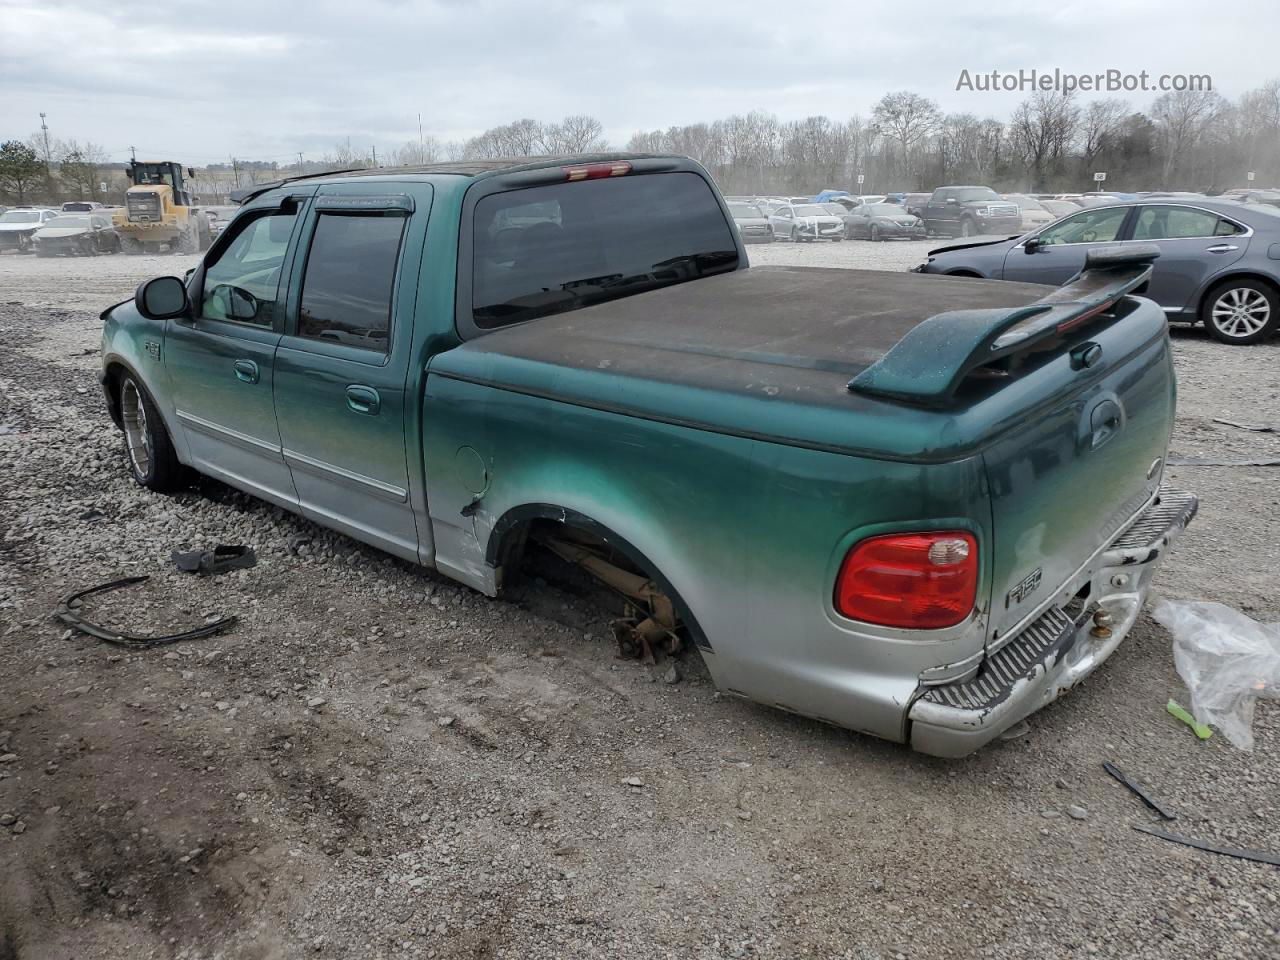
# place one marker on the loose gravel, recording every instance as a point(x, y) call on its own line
point(378, 763)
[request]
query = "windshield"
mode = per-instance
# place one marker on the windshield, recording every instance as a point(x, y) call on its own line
point(884, 210)
point(976, 193)
point(20, 216)
point(68, 222)
point(812, 210)
point(1026, 203)
point(838, 209)
point(546, 250)
point(744, 211)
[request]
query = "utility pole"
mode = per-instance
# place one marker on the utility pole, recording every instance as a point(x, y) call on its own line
point(44, 127)
point(299, 162)
point(422, 148)
point(235, 170)
point(375, 154)
point(133, 154)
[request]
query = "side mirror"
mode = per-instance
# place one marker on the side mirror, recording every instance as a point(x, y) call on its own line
point(236, 303)
point(161, 298)
point(1031, 246)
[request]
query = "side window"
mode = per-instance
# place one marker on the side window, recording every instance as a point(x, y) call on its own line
point(1100, 225)
point(347, 286)
point(1177, 223)
point(241, 285)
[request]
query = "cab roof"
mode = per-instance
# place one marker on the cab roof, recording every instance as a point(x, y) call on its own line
point(475, 169)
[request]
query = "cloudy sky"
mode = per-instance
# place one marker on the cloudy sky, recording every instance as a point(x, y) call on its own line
point(197, 82)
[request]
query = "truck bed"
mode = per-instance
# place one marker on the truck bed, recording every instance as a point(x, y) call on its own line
point(766, 352)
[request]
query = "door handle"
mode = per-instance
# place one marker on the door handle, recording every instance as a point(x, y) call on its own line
point(362, 399)
point(246, 370)
point(1221, 248)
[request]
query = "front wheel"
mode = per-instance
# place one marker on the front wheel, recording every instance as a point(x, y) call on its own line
point(967, 228)
point(147, 445)
point(1241, 312)
point(875, 234)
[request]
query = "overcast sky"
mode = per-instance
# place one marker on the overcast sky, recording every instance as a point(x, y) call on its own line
point(196, 82)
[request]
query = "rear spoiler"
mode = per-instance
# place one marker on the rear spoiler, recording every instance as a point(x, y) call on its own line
point(927, 366)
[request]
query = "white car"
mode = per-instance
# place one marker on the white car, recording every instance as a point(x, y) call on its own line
point(1034, 213)
point(18, 225)
point(805, 222)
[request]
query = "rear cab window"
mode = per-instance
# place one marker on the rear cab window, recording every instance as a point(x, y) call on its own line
point(548, 249)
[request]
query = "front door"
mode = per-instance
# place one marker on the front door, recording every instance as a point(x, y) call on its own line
point(342, 367)
point(1193, 243)
point(221, 360)
point(1061, 247)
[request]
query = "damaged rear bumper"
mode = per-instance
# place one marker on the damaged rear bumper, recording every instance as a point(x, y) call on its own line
point(1058, 649)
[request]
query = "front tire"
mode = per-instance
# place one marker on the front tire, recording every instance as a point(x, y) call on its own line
point(875, 234)
point(148, 449)
point(967, 229)
point(1241, 312)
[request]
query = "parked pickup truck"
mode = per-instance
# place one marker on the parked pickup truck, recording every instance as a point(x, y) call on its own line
point(969, 211)
point(920, 507)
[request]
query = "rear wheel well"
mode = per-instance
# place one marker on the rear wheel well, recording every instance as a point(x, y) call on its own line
point(1226, 281)
point(115, 373)
point(512, 532)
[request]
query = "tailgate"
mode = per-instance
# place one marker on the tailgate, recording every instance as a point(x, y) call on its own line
point(1078, 392)
point(1068, 480)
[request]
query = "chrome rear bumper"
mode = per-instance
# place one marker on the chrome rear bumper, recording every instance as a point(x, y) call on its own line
point(1058, 649)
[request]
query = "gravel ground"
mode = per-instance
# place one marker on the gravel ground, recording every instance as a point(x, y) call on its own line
point(377, 763)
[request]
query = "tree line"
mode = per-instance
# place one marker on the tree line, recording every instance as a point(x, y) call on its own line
point(1052, 142)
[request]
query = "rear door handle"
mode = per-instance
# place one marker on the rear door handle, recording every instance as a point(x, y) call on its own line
point(1221, 248)
point(247, 371)
point(362, 399)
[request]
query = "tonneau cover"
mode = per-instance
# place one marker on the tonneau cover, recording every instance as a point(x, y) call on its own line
point(743, 352)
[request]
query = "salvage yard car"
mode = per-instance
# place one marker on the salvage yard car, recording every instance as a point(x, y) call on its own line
point(919, 507)
point(969, 211)
point(806, 222)
point(752, 222)
point(19, 225)
point(1217, 266)
point(882, 221)
point(77, 235)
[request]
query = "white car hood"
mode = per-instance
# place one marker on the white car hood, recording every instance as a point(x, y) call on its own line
point(58, 233)
point(18, 227)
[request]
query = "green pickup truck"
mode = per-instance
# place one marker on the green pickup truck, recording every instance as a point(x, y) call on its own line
point(920, 507)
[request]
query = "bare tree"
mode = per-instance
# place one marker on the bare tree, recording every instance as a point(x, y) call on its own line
point(575, 134)
point(1042, 128)
point(907, 119)
point(79, 168)
point(416, 152)
point(1101, 122)
point(1181, 119)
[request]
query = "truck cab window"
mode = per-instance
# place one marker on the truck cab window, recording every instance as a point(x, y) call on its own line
point(545, 250)
point(250, 264)
point(350, 275)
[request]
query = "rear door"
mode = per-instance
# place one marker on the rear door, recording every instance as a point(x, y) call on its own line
point(342, 367)
point(937, 216)
point(1061, 248)
point(1193, 244)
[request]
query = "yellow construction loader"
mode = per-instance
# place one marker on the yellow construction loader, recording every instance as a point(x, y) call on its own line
point(160, 212)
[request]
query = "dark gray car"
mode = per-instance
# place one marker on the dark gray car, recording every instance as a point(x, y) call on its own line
point(1218, 260)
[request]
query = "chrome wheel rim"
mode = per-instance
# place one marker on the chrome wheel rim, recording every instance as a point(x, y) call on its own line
point(1241, 312)
point(136, 439)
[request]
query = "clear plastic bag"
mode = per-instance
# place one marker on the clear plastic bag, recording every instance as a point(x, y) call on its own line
point(1227, 660)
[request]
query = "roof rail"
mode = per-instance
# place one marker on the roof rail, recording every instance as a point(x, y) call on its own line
point(927, 366)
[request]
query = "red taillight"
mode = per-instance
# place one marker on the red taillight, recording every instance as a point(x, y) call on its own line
point(597, 171)
point(919, 581)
